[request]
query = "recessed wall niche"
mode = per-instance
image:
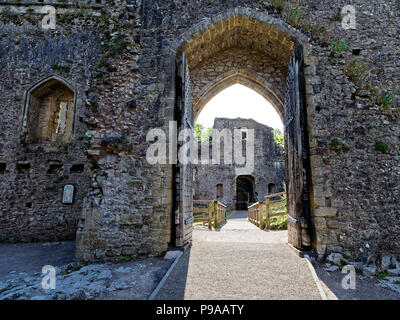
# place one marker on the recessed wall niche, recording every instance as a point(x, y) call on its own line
point(49, 112)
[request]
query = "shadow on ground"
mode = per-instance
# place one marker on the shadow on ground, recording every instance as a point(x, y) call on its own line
point(175, 286)
point(29, 258)
point(21, 278)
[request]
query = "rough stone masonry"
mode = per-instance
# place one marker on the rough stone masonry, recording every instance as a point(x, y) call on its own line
point(118, 60)
point(220, 181)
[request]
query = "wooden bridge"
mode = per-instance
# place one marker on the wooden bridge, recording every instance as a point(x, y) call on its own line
point(213, 213)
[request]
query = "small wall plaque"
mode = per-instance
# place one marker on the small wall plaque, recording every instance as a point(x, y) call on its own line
point(68, 194)
point(189, 220)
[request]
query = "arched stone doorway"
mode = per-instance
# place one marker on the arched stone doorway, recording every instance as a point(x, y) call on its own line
point(262, 53)
point(245, 186)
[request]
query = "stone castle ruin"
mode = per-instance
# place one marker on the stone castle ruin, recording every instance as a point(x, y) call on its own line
point(78, 100)
point(222, 183)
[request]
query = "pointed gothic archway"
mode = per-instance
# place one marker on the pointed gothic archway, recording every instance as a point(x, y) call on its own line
point(261, 53)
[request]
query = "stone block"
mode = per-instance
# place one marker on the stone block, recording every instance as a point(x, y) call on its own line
point(335, 258)
point(369, 270)
point(172, 254)
point(325, 212)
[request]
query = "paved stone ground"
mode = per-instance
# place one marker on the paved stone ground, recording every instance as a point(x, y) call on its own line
point(21, 266)
point(240, 261)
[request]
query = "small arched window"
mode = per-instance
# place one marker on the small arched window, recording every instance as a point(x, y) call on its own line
point(49, 112)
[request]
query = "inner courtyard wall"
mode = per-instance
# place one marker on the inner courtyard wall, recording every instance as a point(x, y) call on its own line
point(269, 166)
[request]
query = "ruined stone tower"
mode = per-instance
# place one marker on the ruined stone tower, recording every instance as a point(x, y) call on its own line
point(220, 181)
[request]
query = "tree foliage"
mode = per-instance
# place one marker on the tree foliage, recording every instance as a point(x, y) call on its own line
point(202, 134)
point(279, 138)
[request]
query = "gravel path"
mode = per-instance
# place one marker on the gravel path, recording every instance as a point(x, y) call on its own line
point(240, 261)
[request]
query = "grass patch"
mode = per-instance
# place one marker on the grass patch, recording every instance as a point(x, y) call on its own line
point(280, 222)
point(334, 143)
point(355, 70)
point(337, 16)
point(296, 16)
point(381, 146)
point(345, 149)
point(277, 223)
point(340, 45)
point(85, 145)
point(382, 275)
point(126, 259)
point(228, 213)
point(278, 4)
point(385, 100)
point(61, 67)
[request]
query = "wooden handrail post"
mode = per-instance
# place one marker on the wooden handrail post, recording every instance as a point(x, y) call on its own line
point(261, 215)
point(210, 215)
point(215, 214)
point(267, 225)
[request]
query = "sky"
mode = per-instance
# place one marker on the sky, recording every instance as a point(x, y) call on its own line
point(238, 101)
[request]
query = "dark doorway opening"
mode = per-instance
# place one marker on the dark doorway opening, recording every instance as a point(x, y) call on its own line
point(244, 192)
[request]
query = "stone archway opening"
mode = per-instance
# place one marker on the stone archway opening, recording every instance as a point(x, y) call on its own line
point(259, 53)
point(241, 109)
point(244, 192)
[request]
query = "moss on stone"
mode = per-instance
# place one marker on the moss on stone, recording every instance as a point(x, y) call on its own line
point(381, 146)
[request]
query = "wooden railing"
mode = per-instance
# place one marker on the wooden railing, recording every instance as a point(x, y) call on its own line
point(219, 214)
point(210, 212)
point(256, 214)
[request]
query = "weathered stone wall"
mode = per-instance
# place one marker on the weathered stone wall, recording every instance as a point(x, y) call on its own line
point(232, 62)
point(122, 62)
point(34, 174)
point(269, 166)
point(355, 186)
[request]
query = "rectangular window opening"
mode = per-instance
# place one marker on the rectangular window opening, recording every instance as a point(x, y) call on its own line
point(77, 168)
